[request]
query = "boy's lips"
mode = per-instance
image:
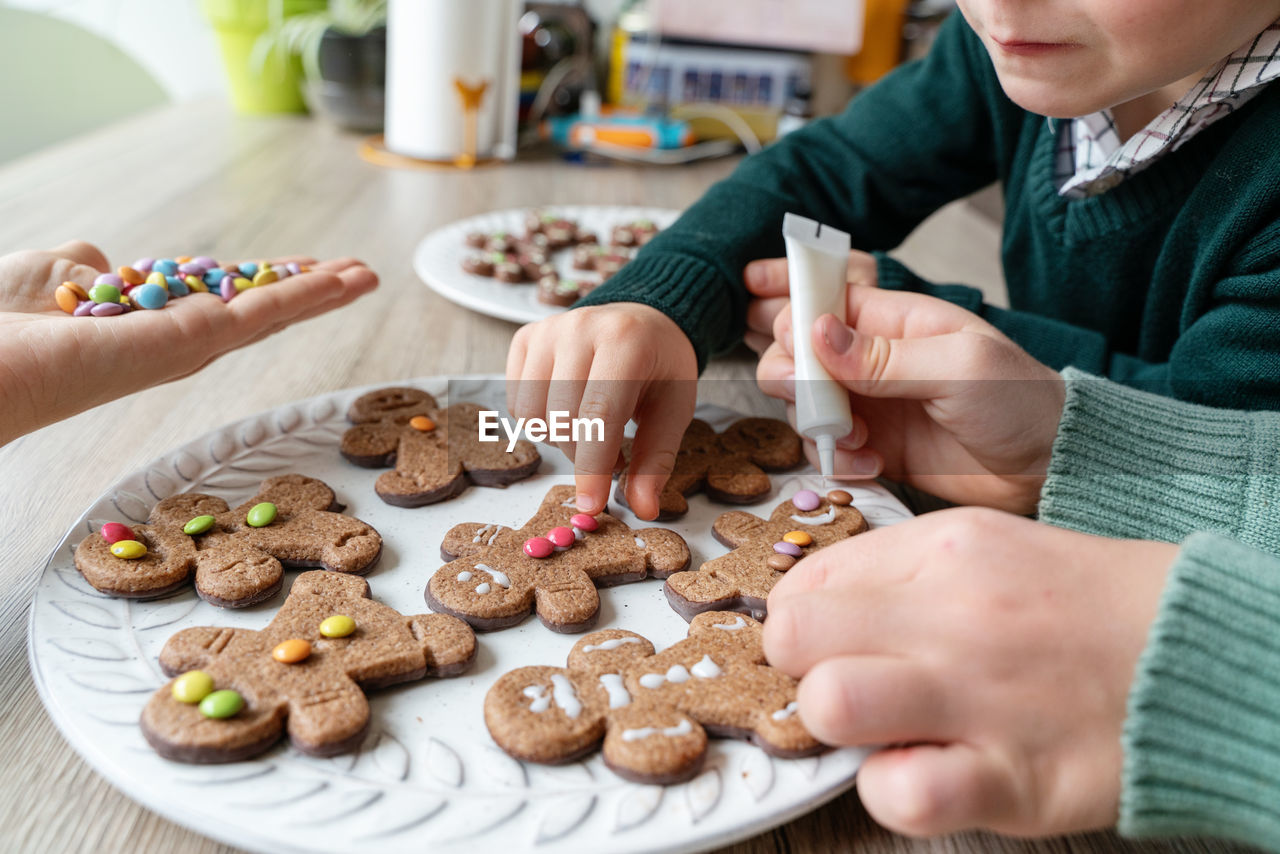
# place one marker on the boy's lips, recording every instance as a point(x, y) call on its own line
point(1020, 47)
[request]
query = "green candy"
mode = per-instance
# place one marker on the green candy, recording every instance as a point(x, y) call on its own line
point(261, 515)
point(222, 704)
point(199, 525)
point(104, 293)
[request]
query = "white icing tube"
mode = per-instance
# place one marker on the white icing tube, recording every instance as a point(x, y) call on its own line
point(817, 266)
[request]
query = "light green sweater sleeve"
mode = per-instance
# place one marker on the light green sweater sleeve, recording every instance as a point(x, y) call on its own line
point(1202, 734)
point(1131, 464)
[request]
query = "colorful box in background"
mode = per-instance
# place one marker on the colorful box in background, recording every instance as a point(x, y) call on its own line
point(819, 26)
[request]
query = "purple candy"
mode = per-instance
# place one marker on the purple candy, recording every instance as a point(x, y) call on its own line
point(191, 268)
point(227, 289)
point(806, 500)
point(293, 267)
point(143, 265)
point(84, 308)
point(785, 548)
point(204, 261)
point(106, 309)
point(109, 279)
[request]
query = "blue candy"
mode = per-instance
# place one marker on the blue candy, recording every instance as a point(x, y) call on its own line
point(165, 266)
point(177, 287)
point(150, 296)
point(214, 277)
point(249, 270)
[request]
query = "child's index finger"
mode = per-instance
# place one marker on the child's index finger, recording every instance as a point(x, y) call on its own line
point(605, 408)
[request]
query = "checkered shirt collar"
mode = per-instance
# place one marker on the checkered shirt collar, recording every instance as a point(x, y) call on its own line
point(1091, 157)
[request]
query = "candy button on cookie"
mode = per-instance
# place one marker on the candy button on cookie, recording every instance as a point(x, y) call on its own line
point(422, 423)
point(292, 651)
point(561, 537)
point(785, 548)
point(781, 562)
point(799, 538)
point(538, 547)
point(222, 704)
point(337, 626)
point(840, 498)
point(192, 686)
point(128, 549)
point(198, 525)
point(806, 500)
point(114, 532)
point(261, 515)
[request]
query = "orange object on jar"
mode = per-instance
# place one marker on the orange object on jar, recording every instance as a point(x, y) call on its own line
point(423, 423)
point(292, 651)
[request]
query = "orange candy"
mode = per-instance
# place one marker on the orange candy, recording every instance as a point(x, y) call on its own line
point(66, 298)
point(182, 259)
point(798, 538)
point(423, 423)
point(131, 276)
point(291, 651)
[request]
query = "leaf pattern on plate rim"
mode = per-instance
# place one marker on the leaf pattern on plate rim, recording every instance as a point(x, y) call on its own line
point(702, 793)
point(562, 816)
point(636, 806)
point(96, 649)
point(444, 763)
point(87, 613)
point(112, 681)
point(756, 772)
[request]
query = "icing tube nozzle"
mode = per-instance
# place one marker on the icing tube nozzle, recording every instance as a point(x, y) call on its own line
point(826, 454)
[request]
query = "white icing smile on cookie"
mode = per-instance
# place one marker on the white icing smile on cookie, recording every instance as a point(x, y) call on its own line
point(499, 578)
point(825, 519)
point(675, 673)
point(786, 711)
point(618, 695)
point(738, 623)
point(611, 643)
point(561, 692)
point(683, 728)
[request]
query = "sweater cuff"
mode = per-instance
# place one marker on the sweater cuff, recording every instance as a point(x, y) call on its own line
point(1202, 737)
point(893, 275)
point(1127, 463)
point(688, 291)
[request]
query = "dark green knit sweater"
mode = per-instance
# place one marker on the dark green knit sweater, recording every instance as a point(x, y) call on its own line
point(1170, 281)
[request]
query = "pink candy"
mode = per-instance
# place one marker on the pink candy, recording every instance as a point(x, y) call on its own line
point(114, 532)
point(806, 500)
point(561, 537)
point(583, 522)
point(538, 547)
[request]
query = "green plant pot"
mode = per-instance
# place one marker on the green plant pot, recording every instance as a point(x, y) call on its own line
point(272, 86)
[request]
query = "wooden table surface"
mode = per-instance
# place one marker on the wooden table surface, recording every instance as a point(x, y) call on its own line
point(195, 179)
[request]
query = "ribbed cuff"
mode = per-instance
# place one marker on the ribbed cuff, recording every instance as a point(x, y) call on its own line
point(1202, 735)
point(893, 275)
point(689, 291)
point(1127, 463)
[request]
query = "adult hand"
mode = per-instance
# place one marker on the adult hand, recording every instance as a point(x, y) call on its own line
point(769, 284)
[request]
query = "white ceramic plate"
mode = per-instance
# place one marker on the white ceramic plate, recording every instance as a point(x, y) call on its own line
point(428, 777)
point(438, 258)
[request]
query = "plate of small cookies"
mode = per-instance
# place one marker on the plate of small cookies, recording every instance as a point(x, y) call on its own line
point(292, 657)
point(526, 264)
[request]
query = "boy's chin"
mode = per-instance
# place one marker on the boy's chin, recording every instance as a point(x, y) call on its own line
point(1051, 99)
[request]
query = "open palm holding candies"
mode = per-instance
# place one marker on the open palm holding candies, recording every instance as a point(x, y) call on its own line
point(77, 365)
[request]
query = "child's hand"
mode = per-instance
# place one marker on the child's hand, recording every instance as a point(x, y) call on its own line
point(613, 362)
point(942, 399)
point(56, 365)
point(769, 284)
point(993, 652)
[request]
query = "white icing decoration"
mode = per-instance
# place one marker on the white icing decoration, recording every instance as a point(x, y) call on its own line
point(499, 577)
point(464, 576)
point(618, 696)
point(566, 698)
point(683, 728)
point(572, 502)
point(738, 623)
point(483, 587)
point(785, 712)
point(676, 673)
point(825, 519)
point(639, 542)
point(541, 699)
point(611, 643)
point(706, 668)
point(481, 533)
point(578, 533)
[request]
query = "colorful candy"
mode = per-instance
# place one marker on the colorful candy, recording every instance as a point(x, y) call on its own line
point(157, 278)
point(781, 562)
point(165, 267)
point(840, 498)
point(192, 687)
point(293, 650)
point(143, 265)
point(128, 549)
point(114, 532)
point(538, 547)
point(198, 525)
point(131, 276)
point(337, 626)
point(222, 704)
point(799, 538)
point(117, 293)
point(423, 423)
point(106, 309)
point(561, 537)
point(261, 515)
point(583, 522)
point(67, 298)
point(104, 292)
point(265, 276)
point(806, 500)
point(785, 548)
point(150, 296)
point(109, 279)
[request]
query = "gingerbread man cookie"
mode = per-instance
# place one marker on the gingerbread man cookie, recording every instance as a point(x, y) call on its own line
point(497, 575)
point(730, 466)
point(306, 673)
point(652, 712)
point(436, 452)
point(762, 551)
point(237, 555)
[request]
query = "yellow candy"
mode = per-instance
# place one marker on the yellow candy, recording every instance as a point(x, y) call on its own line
point(241, 283)
point(128, 549)
point(157, 278)
point(265, 277)
point(124, 300)
point(337, 626)
point(192, 686)
point(194, 283)
point(798, 538)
